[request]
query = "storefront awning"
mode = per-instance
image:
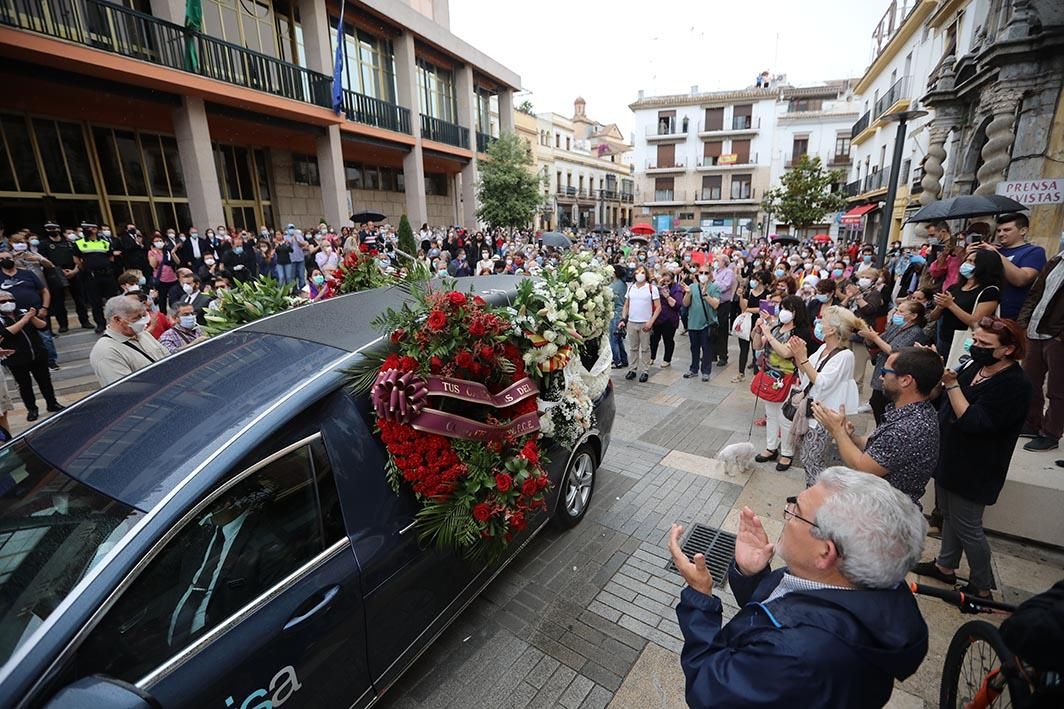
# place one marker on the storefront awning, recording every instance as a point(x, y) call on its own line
point(853, 217)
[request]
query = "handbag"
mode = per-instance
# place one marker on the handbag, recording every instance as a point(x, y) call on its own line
point(743, 325)
point(799, 400)
point(771, 385)
point(957, 347)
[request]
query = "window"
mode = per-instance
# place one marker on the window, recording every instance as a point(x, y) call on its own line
point(353, 175)
point(568, 143)
point(805, 104)
point(711, 185)
point(799, 148)
point(558, 180)
point(247, 23)
point(436, 184)
point(742, 117)
point(557, 140)
point(741, 148)
point(663, 189)
point(666, 122)
point(235, 548)
point(436, 85)
point(714, 119)
point(740, 187)
point(369, 62)
point(305, 170)
point(711, 151)
point(666, 156)
point(842, 145)
point(686, 216)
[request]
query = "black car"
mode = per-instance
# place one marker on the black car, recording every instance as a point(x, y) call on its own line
point(216, 530)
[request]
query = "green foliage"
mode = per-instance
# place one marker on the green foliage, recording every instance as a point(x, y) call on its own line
point(804, 197)
point(509, 189)
point(526, 107)
point(247, 302)
point(406, 237)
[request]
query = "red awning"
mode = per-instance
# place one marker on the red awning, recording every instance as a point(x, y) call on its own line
point(853, 217)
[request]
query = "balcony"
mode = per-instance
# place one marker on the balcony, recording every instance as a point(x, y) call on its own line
point(896, 99)
point(740, 125)
point(852, 189)
point(374, 112)
point(566, 193)
point(113, 28)
point(795, 159)
point(877, 180)
point(741, 192)
point(665, 132)
point(483, 141)
point(839, 161)
point(668, 197)
point(627, 197)
point(441, 131)
point(716, 163)
point(609, 195)
point(677, 165)
point(860, 127)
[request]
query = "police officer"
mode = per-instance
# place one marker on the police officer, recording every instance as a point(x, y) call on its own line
point(92, 254)
point(60, 251)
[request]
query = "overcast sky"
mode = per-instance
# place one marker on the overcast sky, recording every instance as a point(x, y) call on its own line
point(608, 51)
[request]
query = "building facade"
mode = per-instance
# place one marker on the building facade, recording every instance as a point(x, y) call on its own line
point(117, 113)
point(989, 75)
point(586, 181)
point(707, 159)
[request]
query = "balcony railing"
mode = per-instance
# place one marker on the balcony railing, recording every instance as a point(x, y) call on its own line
point(671, 128)
point(443, 132)
point(483, 141)
point(900, 90)
point(740, 160)
point(738, 123)
point(742, 122)
point(860, 125)
point(374, 112)
point(609, 195)
point(627, 197)
point(877, 180)
point(677, 163)
point(852, 189)
point(566, 192)
point(838, 160)
point(795, 159)
point(710, 194)
point(742, 191)
point(113, 28)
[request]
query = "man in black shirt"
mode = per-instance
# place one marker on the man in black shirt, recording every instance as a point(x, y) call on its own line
point(134, 252)
point(59, 249)
point(240, 261)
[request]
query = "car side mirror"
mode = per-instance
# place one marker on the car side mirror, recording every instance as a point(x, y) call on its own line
point(102, 691)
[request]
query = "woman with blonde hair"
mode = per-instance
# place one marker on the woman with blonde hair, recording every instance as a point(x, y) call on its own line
point(826, 377)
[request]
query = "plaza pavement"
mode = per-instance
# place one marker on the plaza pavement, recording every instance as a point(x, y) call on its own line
point(585, 618)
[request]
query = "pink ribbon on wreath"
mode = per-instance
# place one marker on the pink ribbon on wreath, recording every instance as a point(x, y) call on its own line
point(398, 396)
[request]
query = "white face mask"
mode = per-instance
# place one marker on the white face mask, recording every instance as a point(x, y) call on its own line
point(157, 244)
point(703, 278)
point(863, 283)
point(19, 246)
point(7, 306)
point(208, 261)
point(139, 326)
point(640, 277)
point(105, 233)
point(786, 316)
point(187, 287)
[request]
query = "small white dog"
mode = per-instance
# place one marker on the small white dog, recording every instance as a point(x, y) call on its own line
point(737, 458)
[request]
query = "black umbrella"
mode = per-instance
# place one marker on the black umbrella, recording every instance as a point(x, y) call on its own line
point(785, 240)
point(638, 239)
point(556, 239)
point(600, 229)
point(363, 217)
point(695, 230)
point(969, 205)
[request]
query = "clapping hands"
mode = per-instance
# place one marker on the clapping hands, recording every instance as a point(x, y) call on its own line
point(694, 570)
point(753, 550)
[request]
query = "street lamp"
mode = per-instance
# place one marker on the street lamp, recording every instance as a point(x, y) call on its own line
point(901, 118)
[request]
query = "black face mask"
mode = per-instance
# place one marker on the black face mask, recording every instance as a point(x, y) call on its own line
point(7, 264)
point(983, 356)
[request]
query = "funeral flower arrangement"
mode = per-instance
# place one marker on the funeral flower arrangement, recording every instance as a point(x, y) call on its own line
point(357, 271)
point(457, 414)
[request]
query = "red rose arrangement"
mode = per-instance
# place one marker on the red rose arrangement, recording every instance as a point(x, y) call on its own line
point(357, 271)
point(475, 495)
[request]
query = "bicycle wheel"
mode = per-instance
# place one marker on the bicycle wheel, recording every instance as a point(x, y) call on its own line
point(972, 676)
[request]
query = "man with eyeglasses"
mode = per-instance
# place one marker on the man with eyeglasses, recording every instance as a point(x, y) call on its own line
point(903, 449)
point(835, 627)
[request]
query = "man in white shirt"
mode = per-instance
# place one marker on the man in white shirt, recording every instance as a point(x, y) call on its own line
point(126, 346)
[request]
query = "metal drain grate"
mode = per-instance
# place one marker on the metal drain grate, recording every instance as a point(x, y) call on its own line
point(717, 545)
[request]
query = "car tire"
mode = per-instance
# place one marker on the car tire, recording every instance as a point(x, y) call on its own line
point(576, 487)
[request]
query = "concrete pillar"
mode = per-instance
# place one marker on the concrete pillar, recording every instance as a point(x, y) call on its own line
point(197, 163)
point(169, 10)
point(506, 111)
point(333, 177)
point(314, 18)
point(414, 162)
point(467, 116)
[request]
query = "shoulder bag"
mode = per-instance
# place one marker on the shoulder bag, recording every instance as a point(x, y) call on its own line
point(799, 400)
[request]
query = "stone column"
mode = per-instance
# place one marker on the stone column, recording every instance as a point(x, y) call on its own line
point(414, 162)
point(314, 19)
point(197, 163)
point(506, 111)
point(1000, 133)
point(933, 170)
point(169, 10)
point(465, 98)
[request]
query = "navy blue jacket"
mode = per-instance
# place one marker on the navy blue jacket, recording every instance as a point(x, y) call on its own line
point(828, 648)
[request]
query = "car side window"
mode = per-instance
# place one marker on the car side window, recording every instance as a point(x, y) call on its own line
point(231, 551)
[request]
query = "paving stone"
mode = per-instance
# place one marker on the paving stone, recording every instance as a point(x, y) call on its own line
point(576, 692)
point(601, 675)
point(550, 692)
point(597, 699)
point(543, 670)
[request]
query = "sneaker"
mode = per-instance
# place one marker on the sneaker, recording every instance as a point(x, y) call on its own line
point(864, 409)
point(738, 378)
point(930, 569)
point(705, 377)
point(643, 378)
point(630, 375)
point(666, 365)
point(54, 366)
point(1042, 443)
point(1026, 432)
point(688, 375)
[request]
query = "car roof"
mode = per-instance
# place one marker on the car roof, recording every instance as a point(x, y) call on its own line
point(138, 438)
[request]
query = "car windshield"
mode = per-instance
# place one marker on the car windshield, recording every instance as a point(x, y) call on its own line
point(53, 530)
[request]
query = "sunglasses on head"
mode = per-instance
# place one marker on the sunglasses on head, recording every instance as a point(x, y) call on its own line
point(989, 323)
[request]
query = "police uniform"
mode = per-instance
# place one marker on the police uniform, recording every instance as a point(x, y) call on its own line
point(61, 253)
point(98, 277)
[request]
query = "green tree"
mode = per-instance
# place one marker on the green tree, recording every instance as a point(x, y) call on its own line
point(804, 195)
point(526, 107)
point(406, 237)
point(509, 189)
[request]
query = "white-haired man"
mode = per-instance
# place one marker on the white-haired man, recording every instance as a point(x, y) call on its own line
point(833, 628)
point(126, 345)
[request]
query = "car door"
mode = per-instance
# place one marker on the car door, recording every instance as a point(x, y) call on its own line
point(253, 601)
point(410, 590)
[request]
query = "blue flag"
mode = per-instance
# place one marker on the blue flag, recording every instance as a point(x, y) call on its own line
point(338, 65)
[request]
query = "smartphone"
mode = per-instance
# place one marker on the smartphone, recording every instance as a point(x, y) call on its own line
point(767, 307)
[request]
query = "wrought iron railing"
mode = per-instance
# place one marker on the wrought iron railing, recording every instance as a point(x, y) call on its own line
point(853, 189)
point(895, 93)
point(860, 125)
point(375, 112)
point(114, 28)
point(443, 132)
point(483, 141)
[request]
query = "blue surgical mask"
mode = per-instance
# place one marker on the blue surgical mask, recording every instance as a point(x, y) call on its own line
point(836, 273)
point(966, 270)
point(238, 250)
point(753, 283)
point(779, 272)
point(897, 319)
point(867, 258)
point(142, 280)
point(818, 331)
point(823, 297)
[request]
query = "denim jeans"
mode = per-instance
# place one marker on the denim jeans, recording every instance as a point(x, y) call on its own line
point(49, 345)
point(701, 349)
point(286, 273)
point(620, 356)
point(300, 277)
